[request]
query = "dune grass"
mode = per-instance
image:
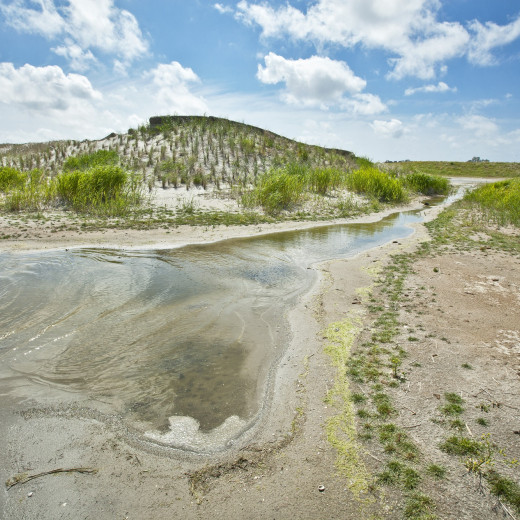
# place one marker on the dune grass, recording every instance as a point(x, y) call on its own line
point(85, 161)
point(284, 187)
point(98, 187)
point(427, 184)
point(378, 184)
point(499, 202)
point(288, 186)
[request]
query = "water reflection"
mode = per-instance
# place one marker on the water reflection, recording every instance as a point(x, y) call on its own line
point(183, 332)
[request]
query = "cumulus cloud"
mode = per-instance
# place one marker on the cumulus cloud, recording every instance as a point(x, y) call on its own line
point(364, 104)
point(480, 126)
point(78, 58)
point(487, 37)
point(44, 20)
point(440, 87)
point(84, 25)
point(419, 44)
point(393, 128)
point(44, 89)
point(313, 81)
point(172, 81)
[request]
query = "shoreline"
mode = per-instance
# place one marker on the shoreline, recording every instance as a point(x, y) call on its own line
point(157, 239)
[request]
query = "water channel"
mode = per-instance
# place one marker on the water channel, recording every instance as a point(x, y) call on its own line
point(178, 343)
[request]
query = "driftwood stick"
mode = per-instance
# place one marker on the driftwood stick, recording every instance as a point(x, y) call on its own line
point(22, 478)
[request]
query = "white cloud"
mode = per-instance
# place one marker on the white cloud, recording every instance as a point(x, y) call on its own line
point(174, 95)
point(78, 58)
point(480, 126)
point(223, 9)
point(45, 21)
point(44, 89)
point(440, 87)
point(313, 81)
point(364, 104)
point(84, 25)
point(487, 37)
point(393, 128)
point(419, 44)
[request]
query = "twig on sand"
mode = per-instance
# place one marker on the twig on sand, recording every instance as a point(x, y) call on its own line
point(22, 478)
point(374, 457)
point(506, 509)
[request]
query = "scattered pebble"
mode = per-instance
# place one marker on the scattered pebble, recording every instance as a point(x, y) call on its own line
point(30, 494)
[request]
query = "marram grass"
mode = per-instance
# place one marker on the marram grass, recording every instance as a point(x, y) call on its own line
point(499, 202)
point(375, 183)
point(102, 190)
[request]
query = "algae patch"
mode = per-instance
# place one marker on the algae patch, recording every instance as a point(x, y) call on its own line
point(341, 428)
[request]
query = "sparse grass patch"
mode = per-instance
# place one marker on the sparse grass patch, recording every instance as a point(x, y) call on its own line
point(436, 471)
point(505, 489)
point(419, 507)
point(458, 445)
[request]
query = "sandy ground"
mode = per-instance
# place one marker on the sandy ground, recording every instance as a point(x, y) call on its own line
point(471, 301)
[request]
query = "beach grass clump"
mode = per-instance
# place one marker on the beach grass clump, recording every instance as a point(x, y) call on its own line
point(426, 184)
point(499, 201)
point(278, 190)
point(375, 183)
point(30, 191)
point(11, 178)
point(286, 186)
point(100, 189)
point(90, 160)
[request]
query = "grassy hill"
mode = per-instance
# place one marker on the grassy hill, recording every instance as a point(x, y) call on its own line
point(184, 150)
point(462, 169)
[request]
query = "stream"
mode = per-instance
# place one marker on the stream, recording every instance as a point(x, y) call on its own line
point(178, 343)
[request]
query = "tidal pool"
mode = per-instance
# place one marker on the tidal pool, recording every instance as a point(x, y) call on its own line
point(178, 343)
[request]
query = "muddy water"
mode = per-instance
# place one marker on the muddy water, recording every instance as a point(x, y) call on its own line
point(179, 343)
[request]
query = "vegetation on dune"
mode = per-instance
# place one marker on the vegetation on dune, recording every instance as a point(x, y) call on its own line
point(98, 187)
point(427, 184)
point(90, 160)
point(499, 201)
point(376, 183)
point(284, 178)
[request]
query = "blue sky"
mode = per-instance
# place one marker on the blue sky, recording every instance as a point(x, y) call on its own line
point(389, 79)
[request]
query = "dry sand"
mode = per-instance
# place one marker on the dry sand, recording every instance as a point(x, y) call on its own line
point(278, 473)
